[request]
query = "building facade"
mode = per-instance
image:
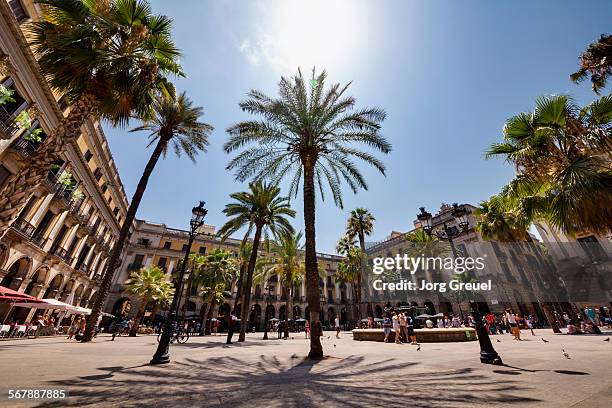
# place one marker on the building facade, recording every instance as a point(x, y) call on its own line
point(59, 245)
point(156, 244)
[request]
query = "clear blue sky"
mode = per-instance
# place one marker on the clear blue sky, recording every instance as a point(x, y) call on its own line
point(448, 73)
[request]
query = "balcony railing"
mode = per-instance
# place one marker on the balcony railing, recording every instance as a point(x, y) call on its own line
point(62, 254)
point(24, 147)
point(39, 240)
point(84, 268)
point(24, 227)
point(7, 122)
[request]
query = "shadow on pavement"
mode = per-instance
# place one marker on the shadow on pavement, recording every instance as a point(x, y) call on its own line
point(289, 382)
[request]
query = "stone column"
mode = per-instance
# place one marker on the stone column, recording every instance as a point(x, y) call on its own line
point(40, 211)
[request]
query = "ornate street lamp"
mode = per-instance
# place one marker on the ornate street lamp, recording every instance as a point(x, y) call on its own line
point(162, 355)
point(488, 355)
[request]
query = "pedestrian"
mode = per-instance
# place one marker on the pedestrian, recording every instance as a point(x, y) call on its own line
point(387, 327)
point(514, 328)
point(74, 328)
point(337, 326)
point(307, 329)
point(411, 335)
point(403, 327)
point(529, 322)
point(279, 329)
point(396, 328)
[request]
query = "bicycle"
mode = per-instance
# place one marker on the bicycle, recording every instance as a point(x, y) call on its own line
point(180, 336)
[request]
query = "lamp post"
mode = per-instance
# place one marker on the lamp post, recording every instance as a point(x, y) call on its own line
point(162, 355)
point(268, 290)
point(488, 355)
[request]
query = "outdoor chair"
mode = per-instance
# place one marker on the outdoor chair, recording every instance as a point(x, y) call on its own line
point(20, 331)
point(5, 330)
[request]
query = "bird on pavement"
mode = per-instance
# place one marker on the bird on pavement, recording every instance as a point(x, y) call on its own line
point(565, 354)
point(608, 339)
point(499, 341)
point(334, 345)
point(544, 340)
point(418, 347)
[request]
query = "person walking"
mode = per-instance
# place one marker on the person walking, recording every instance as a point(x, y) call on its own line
point(337, 326)
point(74, 328)
point(396, 328)
point(529, 322)
point(387, 327)
point(403, 327)
point(307, 329)
point(514, 328)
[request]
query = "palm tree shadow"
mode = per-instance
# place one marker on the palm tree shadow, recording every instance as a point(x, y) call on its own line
point(289, 382)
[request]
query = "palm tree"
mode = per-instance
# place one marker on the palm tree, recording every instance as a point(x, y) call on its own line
point(349, 271)
point(261, 208)
point(345, 244)
point(309, 134)
point(562, 158)
point(217, 271)
point(497, 222)
point(175, 124)
point(108, 60)
point(286, 259)
point(360, 224)
point(149, 284)
point(596, 61)
point(244, 254)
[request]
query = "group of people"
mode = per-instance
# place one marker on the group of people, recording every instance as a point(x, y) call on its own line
point(402, 325)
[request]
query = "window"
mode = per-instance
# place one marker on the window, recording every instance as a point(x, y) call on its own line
point(4, 175)
point(18, 10)
point(202, 250)
point(138, 260)
point(184, 247)
point(110, 199)
point(97, 174)
point(104, 188)
point(116, 211)
point(167, 245)
point(88, 155)
point(162, 262)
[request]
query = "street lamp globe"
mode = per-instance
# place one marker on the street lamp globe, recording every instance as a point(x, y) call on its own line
point(460, 213)
point(198, 214)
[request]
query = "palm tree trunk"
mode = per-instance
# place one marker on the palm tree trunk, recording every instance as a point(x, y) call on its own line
point(287, 310)
point(246, 290)
point(312, 269)
point(115, 257)
point(20, 186)
point(205, 315)
point(364, 270)
point(139, 316)
point(239, 285)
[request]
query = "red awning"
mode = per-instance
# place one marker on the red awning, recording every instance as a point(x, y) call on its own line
point(12, 296)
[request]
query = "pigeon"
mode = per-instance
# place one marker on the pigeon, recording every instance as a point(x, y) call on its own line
point(608, 339)
point(565, 354)
point(418, 347)
point(544, 340)
point(328, 337)
point(334, 345)
point(498, 340)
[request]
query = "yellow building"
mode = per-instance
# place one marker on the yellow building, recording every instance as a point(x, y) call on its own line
point(59, 245)
point(156, 244)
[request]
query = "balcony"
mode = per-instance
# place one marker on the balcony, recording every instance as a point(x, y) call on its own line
point(62, 254)
point(24, 147)
point(24, 227)
point(7, 123)
point(84, 268)
point(39, 240)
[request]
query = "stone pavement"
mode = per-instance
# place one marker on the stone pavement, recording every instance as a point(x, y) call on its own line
point(273, 373)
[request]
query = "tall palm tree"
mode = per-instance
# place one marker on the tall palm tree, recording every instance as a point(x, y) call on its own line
point(359, 224)
point(349, 271)
point(108, 60)
point(285, 259)
point(175, 124)
point(310, 134)
point(562, 156)
point(149, 284)
point(244, 254)
point(262, 208)
point(217, 271)
point(596, 62)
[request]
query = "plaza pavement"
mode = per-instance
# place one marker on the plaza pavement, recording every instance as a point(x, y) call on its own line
point(273, 373)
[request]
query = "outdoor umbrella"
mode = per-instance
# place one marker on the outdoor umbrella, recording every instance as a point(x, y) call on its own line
point(300, 320)
point(423, 316)
point(11, 296)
